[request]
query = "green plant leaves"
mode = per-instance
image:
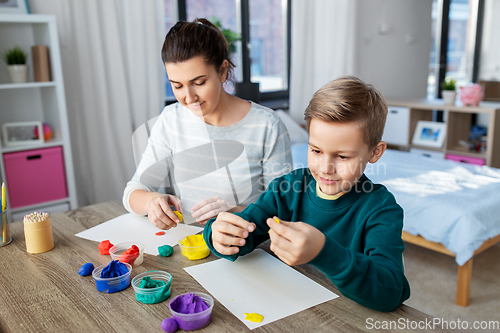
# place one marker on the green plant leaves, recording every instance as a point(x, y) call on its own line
point(15, 56)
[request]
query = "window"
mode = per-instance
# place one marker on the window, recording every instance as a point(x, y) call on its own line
point(455, 42)
point(264, 26)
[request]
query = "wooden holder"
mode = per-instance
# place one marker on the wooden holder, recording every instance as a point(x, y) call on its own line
point(38, 236)
point(41, 67)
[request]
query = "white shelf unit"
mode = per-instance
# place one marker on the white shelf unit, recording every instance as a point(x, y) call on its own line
point(458, 124)
point(36, 101)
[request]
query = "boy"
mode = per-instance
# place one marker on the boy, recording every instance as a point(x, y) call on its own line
point(340, 222)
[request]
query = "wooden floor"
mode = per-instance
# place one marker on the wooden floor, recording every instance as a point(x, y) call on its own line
point(464, 273)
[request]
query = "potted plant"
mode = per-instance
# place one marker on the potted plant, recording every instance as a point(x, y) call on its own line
point(15, 58)
point(449, 92)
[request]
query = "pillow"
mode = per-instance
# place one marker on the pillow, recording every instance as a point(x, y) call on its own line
point(298, 135)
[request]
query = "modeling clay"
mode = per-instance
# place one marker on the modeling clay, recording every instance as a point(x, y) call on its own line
point(179, 215)
point(169, 325)
point(189, 303)
point(277, 221)
point(152, 296)
point(114, 269)
point(148, 282)
point(160, 233)
point(130, 255)
point(194, 247)
point(86, 269)
point(165, 250)
point(254, 317)
point(104, 247)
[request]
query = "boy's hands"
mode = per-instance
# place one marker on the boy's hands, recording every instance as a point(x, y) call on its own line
point(295, 243)
point(160, 213)
point(229, 232)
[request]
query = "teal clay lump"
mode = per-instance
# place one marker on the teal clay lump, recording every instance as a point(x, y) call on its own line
point(152, 296)
point(165, 250)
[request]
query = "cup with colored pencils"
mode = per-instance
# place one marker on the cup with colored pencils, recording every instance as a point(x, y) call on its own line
point(6, 237)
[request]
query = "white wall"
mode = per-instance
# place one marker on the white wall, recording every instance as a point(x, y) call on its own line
point(393, 46)
point(489, 68)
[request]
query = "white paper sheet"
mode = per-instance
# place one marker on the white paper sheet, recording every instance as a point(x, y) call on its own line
point(260, 283)
point(133, 228)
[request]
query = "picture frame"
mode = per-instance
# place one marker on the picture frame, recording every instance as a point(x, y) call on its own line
point(429, 134)
point(14, 7)
point(22, 133)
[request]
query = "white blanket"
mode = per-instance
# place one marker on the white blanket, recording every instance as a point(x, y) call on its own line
point(455, 204)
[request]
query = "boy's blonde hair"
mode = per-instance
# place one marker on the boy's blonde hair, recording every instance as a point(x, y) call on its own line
point(348, 99)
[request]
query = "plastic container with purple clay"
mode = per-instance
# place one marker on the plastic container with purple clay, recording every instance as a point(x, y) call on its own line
point(111, 285)
point(192, 321)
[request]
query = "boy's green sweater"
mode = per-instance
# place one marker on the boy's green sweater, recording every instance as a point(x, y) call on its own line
point(363, 251)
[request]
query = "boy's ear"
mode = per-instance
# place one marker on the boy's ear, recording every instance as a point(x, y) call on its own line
point(378, 151)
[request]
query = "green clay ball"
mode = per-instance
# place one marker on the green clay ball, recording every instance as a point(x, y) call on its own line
point(165, 250)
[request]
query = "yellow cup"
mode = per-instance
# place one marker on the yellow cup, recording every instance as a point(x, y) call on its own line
point(38, 236)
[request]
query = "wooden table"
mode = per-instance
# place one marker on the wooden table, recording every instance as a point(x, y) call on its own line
point(44, 293)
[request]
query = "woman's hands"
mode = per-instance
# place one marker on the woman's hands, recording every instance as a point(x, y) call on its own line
point(295, 243)
point(160, 213)
point(208, 208)
point(229, 232)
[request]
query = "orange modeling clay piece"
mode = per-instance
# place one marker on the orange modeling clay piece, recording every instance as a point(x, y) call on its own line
point(130, 255)
point(160, 233)
point(104, 247)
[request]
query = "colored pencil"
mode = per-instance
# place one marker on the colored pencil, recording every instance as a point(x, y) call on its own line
point(4, 220)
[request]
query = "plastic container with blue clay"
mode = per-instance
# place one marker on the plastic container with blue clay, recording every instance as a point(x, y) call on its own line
point(152, 295)
point(111, 285)
point(193, 321)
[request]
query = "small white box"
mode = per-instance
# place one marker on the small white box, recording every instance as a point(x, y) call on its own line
point(428, 153)
point(397, 126)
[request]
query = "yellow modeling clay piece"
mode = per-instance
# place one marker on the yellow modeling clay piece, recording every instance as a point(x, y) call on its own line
point(179, 215)
point(277, 220)
point(254, 317)
point(194, 247)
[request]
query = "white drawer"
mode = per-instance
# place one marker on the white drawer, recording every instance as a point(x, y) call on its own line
point(396, 126)
point(428, 153)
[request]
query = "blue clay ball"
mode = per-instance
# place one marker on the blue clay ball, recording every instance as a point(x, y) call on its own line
point(86, 269)
point(169, 325)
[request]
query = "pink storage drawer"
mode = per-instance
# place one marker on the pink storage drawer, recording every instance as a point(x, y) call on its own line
point(465, 159)
point(35, 176)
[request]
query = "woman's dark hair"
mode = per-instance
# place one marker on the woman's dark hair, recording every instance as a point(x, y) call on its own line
point(186, 40)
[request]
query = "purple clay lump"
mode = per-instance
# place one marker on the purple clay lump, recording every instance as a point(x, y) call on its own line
point(86, 269)
point(189, 303)
point(169, 325)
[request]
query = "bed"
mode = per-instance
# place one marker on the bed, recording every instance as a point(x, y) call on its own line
point(450, 207)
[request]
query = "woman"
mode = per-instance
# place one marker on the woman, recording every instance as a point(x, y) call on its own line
point(212, 150)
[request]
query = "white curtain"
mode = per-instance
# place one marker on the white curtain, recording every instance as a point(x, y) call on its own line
point(114, 82)
point(323, 44)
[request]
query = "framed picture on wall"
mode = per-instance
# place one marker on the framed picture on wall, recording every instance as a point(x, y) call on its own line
point(14, 7)
point(429, 133)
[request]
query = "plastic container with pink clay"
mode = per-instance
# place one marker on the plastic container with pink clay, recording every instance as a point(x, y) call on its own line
point(193, 321)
